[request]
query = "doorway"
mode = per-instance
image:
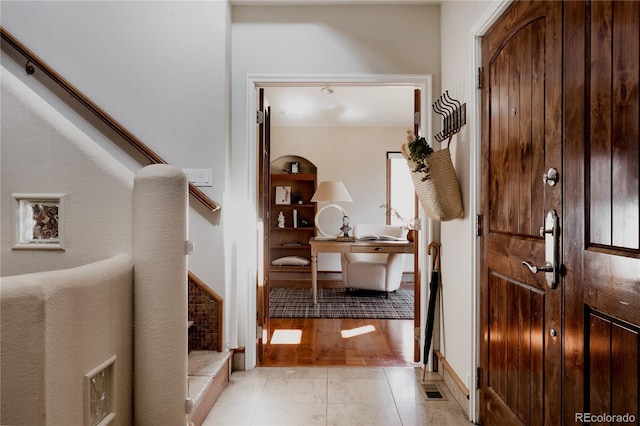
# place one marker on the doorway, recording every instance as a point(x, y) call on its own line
point(422, 82)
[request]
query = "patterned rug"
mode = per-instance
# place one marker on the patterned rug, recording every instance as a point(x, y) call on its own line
point(337, 303)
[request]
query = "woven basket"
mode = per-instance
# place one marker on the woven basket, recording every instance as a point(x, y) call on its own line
point(440, 193)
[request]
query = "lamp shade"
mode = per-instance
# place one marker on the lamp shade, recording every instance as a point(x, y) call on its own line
point(331, 191)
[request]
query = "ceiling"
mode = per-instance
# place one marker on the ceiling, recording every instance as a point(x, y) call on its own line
point(341, 106)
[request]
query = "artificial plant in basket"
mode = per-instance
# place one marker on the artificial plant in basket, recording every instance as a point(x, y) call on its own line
point(434, 178)
point(419, 150)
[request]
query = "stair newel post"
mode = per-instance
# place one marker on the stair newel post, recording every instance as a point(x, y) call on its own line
point(160, 296)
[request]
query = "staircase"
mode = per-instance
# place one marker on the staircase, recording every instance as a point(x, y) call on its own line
point(209, 365)
point(208, 376)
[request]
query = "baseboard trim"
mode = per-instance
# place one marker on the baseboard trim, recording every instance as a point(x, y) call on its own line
point(457, 388)
point(451, 372)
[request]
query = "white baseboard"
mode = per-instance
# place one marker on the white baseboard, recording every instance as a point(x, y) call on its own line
point(456, 386)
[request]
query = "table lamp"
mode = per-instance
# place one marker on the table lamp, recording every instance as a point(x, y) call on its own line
point(330, 191)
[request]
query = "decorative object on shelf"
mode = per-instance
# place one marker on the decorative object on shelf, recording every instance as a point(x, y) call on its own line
point(304, 222)
point(281, 220)
point(294, 167)
point(292, 244)
point(330, 191)
point(283, 195)
point(291, 261)
point(296, 198)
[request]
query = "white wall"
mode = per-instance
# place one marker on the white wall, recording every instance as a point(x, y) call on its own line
point(42, 153)
point(311, 41)
point(458, 237)
point(161, 69)
point(355, 156)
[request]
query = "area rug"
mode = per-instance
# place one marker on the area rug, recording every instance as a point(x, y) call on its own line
point(338, 303)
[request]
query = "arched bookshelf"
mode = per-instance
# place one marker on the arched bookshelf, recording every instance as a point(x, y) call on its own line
point(293, 183)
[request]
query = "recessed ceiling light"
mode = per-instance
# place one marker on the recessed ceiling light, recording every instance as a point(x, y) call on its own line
point(327, 90)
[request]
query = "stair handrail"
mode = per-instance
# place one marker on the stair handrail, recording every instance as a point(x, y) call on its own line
point(101, 114)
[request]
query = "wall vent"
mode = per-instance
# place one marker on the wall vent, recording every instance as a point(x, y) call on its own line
point(432, 392)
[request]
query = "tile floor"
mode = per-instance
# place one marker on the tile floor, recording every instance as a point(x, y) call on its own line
point(333, 396)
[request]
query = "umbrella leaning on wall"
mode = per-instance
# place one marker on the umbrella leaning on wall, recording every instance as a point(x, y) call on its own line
point(433, 293)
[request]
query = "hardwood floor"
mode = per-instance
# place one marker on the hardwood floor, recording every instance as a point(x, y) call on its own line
point(337, 342)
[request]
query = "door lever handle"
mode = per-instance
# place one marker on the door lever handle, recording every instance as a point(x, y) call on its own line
point(551, 233)
point(547, 267)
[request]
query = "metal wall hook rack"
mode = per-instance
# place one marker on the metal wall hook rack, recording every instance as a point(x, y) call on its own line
point(454, 116)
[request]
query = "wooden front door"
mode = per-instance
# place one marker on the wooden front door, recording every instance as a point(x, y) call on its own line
point(602, 218)
point(521, 347)
point(567, 355)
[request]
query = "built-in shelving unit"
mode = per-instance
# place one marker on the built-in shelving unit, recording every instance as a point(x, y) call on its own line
point(293, 200)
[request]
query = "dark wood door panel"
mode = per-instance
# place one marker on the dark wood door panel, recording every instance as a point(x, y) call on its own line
point(505, 254)
point(516, 347)
point(517, 133)
point(612, 284)
point(614, 125)
point(612, 356)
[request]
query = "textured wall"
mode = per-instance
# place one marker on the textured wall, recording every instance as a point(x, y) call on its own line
point(58, 326)
point(43, 153)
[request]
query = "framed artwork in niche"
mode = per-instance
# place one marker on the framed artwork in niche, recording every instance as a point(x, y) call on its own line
point(38, 221)
point(283, 195)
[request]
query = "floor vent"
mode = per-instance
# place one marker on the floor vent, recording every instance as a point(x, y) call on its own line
point(432, 392)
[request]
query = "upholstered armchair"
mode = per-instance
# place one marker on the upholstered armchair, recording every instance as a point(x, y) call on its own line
point(379, 272)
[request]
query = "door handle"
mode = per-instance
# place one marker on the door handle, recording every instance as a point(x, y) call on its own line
point(547, 267)
point(551, 234)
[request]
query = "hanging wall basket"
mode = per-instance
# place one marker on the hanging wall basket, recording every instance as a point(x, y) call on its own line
point(439, 194)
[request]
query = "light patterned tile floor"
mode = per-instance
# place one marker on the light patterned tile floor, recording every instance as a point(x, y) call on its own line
point(333, 396)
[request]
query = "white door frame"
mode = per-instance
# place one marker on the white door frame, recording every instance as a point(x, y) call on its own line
point(255, 81)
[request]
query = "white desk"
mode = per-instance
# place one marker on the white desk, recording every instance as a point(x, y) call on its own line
point(333, 246)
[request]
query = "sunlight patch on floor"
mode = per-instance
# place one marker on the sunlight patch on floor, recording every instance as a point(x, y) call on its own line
point(286, 337)
point(357, 331)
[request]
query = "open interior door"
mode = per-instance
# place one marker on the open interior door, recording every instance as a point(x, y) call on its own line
point(263, 285)
point(417, 283)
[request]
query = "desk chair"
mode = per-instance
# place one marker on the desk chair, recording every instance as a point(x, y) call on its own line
point(379, 272)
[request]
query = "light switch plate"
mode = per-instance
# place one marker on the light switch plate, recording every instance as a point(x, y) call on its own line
point(199, 177)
